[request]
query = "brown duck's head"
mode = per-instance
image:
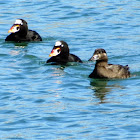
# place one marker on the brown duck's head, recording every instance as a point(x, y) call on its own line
point(99, 54)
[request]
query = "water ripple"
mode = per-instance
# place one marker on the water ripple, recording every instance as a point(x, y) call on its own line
point(43, 101)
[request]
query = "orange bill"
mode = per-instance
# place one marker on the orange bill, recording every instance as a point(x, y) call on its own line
point(14, 29)
point(55, 52)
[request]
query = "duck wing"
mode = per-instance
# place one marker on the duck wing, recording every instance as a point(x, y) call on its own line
point(118, 71)
point(74, 58)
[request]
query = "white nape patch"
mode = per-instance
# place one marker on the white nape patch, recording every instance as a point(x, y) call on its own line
point(18, 21)
point(58, 43)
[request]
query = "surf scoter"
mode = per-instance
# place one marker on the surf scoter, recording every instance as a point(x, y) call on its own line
point(60, 54)
point(20, 33)
point(104, 70)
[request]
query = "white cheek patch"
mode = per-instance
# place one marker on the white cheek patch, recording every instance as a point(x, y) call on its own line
point(58, 43)
point(57, 51)
point(15, 29)
point(18, 21)
point(96, 57)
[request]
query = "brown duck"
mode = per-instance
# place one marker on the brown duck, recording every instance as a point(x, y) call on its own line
point(104, 70)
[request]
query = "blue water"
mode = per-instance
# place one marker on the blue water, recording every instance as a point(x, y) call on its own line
point(39, 101)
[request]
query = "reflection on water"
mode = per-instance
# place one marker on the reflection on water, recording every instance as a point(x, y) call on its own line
point(103, 87)
point(21, 45)
point(100, 89)
point(17, 48)
point(58, 72)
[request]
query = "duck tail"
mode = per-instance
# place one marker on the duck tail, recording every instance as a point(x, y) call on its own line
point(127, 67)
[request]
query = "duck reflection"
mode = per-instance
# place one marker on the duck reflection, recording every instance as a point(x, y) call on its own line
point(18, 49)
point(20, 45)
point(103, 87)
point(57, 71)
point(100, 89)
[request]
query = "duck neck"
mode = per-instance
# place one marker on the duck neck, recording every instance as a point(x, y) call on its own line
point(101, 62)
point(23, 31)
point(65, 55)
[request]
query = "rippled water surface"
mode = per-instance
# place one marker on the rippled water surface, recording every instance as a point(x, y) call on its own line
point(39, 101)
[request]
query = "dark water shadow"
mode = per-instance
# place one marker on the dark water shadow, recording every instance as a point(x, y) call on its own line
point(18, 44)
point(22, 44)
point(102, 87)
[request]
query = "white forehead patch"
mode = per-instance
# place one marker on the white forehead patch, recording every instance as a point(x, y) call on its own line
point(58, 43)
point(18, 21)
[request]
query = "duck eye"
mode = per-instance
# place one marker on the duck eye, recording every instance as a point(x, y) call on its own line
point(17, 28)
point(58, 50)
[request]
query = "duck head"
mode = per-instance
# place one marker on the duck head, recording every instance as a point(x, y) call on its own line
point(99, 55)
point(60, 49)
point(20, 26)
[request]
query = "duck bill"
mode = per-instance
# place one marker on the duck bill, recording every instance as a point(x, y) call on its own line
point(55, 52)
point(91, 59)
point(14, 29)
point(94, 58)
